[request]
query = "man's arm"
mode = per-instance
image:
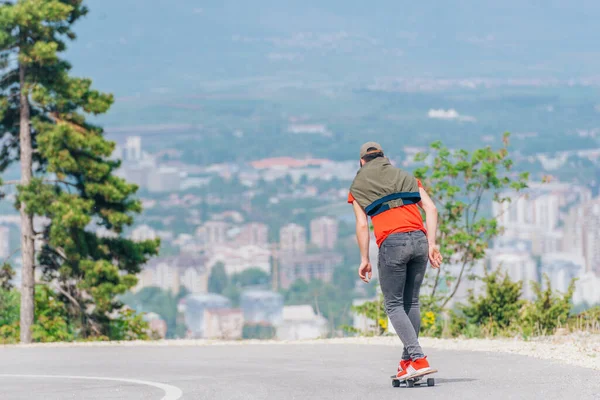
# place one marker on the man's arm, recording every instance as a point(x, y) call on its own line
point(362, 231)
point(362, 235)
point(431, 215)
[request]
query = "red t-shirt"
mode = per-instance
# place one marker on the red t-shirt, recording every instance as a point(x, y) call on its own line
point(400, 219)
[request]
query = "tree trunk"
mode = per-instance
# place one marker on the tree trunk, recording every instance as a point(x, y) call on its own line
point(27, 236)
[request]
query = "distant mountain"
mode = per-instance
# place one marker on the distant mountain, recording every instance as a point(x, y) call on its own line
point(158, 46)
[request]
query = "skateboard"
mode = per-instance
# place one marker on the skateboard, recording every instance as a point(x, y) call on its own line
point(414, 380)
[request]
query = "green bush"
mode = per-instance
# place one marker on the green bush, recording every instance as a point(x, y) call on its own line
point(548, 311)
point(375, 311)
point(587, 320)
point(9, 316)
point(51, 320)
point(52, 323)
point(258, 331)
point(498, 308)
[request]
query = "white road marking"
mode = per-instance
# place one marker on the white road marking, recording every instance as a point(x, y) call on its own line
point(171, 392)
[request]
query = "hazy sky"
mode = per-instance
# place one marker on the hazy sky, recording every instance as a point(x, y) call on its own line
point(132, 46)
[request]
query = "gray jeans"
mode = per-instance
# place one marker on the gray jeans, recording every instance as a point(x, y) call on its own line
point(402, 264)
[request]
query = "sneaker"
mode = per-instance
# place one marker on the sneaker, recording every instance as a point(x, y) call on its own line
point(403, 365)
point(418, 366)
point(402, 374)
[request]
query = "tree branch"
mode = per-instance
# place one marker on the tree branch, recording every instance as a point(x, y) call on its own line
point(17, 182)
point(458, 280)
point(10, 256)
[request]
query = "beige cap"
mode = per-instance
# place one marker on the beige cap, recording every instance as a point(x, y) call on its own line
point(364, 148)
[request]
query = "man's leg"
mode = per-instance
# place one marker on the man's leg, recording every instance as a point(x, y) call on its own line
point(415, 273)
point(394, 255)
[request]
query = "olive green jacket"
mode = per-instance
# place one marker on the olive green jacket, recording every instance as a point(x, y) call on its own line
point(379, 186)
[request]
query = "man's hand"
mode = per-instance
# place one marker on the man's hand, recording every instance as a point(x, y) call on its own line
point(435, 257)
point(364, 270)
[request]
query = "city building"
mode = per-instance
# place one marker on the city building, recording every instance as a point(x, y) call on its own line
point(324, 232)
point(582, 233)
point(586, 289)
point(173, 273)
point(535, 215)
point(165, 179)
point(262, 307)
point(561, 268)
point(213, 233)
point(307, 267)
point(238, 259)
point(222, 323)
point(301, 322)
point(292, 238)
point(156, 324)
point(361, 322)
point(138, 172)
point(133, 148)
point(194, 307)
point(254, 234)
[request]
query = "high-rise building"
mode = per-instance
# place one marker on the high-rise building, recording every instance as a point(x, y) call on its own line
point(561, 268)
point(133, 148)
point(173, 273)
point(164, 179)
point(535, 214)
point(254, 234)
point(307, 267)
point(582, 233)
point(213, 232)
point(324, 232)
point(292, 238)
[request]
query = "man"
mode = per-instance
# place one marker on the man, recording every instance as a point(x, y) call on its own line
point(392, 197)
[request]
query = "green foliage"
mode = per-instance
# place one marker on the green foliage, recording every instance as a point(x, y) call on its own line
point(74, 187)
point(9, 316)
point(500, 311)
point(586, 320)
point(218, 279)
point(499, 307)
point(258, 331)
point(129, 325)
point(375, 311)
point(51, 318)
point(250, 277)
point(6, 276)
point(548, 311)
point(161, 302)
point(461, 182)
point(330, 300)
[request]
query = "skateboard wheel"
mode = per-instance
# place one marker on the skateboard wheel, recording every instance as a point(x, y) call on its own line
point(396, 383)
point(410, 383)
point(430, 382)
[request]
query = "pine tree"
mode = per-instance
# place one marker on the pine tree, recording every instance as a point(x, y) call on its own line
point(67, 174)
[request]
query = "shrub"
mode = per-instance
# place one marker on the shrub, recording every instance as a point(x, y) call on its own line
point(259, 331)
point(587, 320)
point(498, 308)
point(548, 311)
point(375, 311)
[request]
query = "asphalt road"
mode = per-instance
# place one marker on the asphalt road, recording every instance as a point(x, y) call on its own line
point(295, 371)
